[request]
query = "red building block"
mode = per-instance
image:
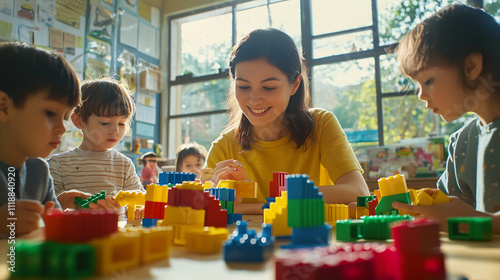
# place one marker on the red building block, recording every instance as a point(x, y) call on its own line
point(186, 197)
point(154, 210)
point(279, 180)
point(214, 215)
point(371, 207)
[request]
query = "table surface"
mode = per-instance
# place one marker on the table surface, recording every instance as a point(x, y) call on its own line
point(474, 260)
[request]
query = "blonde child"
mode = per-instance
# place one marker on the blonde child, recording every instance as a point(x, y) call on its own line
point(104, 116)
point(38, 91)
point(454, 56)
point(272, 128)
point(190, 158)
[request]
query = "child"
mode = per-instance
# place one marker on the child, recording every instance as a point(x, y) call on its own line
point(38, 91)
point(454, 56)
point(190, 158)
point(149, 174)
point(273, 129)
point(103, 117)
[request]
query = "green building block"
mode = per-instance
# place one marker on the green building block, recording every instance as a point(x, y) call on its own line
point(362, 201)
point(28, 259)
point(228, 205)
point(84, 203)
point(384, 206)
point(349, 230)
point(306, 212)
point(479, 228)
point(378, 227)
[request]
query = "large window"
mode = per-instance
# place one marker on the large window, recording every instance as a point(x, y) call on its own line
point(345, 44)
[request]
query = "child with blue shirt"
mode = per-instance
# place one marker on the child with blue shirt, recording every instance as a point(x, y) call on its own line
point(454, 57)
point(38, 91)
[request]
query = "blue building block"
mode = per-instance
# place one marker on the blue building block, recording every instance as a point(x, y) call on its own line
point(223, 194)
point(268, 202)
point(149, 222)
point(309, 237)
point(246, 246)
point(166, 178)
point(299, 187)
point(234, 217)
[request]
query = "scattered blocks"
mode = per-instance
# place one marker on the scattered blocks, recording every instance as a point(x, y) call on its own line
point(84, 203)
point(245, 246)
point(470, 228)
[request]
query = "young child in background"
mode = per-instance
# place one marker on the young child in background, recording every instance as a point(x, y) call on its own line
point(38, 91)
point(190, 158)
point(94, 166)
point(272, 127)
point(149, 174)
point(454, 57)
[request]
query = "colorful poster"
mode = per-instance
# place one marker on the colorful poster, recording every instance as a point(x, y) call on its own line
point(46, 12)
point(26, 9)
point(68, 16)
point(6, 7)
point(79, 6)
point(101, 21)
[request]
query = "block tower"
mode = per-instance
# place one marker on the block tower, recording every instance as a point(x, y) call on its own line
point(392, 189)
point(306, 213)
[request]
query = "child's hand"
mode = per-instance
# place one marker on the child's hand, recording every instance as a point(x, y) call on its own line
point(67, 198)
point(229, 170)
point(107, 203)
point(28, 214)
point(441, 212)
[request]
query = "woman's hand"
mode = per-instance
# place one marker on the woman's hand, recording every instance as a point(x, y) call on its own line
point(229, 170)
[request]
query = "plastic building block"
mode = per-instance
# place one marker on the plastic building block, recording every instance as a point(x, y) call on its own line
point(335, 212)
point(154, 210)
point(277, 216)
point(384, 206)
point(180, 231)
point(268, 202)
point(53, 260)
point(147, 223)
point(242, 189)
point(118, 251)
point(206, 240)
point(278, 184)
point(233, 218)
point(166, 178)
point(228, 205)
point(300, 187)
point(306, 212)
point(84, 203)
point(372, 205)
point(178, 215)
point(377, 227)
point(223, 194)
point(79, 226)
point(227, 184)
point(349, 230)
point(155, 243)
point(310, 236)
point(430, 196)
point(214, 215)
point(245, 246)
point(190, 186)
point(132, 199)
point(392, 185)
point(362, 201)
point(362, 211)
point(476, 228)
point(187, 197)
point(156, 193)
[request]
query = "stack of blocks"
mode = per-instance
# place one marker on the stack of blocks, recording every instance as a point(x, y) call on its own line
point(366, 206)
point(132, 199)
point(246, 246)
point(306, 213)
point(277, 216)
point(226, 199)
point(84, 243)
point(392, 189)
point(415, 255)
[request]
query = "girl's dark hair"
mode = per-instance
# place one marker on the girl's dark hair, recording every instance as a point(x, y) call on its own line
point(280, 50)
point(185, 150)
point(147, 155)
point(448, 37)
point(105, 97)
point(26, 70)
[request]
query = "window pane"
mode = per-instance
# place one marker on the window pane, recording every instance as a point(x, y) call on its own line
point(353, 42)
point(348, 90)
point(201, 129)
point(284, 16)
point(392, 79)
point(336, 15)
point(398, 17)
point(201, 43)
point(198, 97)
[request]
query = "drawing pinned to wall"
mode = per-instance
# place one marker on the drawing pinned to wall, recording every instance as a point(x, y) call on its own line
point(46, 12)
point(101, 20)
point(25, 9)
point(127, 71)
point(147, 39)
point(33, 35)
point(128, 30)
point(99, 48)
point(56, 39)
point(6, 7)
point(68, 16)
point(98, 58)
point(144, 10)
point(129, 5)
point(79, 6)
point(5, 30)
point(69, 43)
point(96, 69)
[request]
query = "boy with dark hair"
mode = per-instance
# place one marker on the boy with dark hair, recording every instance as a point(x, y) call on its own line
point(38, 91)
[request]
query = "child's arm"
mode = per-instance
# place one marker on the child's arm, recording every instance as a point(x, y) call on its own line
point(346, 189)
point(28, 214)
point(441, 212)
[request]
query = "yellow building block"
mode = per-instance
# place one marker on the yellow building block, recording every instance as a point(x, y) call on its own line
point(423, 198)
point(392, 185)
point(228, 184)
point(205, 240)
point(377, 193)
point(156, 193)
point(335, 212)
point(440, 198)
point(156, 242)
point(277, 216)
point(208, 185)
point(245, 189)
point(361, 211)
point(180, 231)
point(190, 186)
point(183, 215)
point(413, 195)
point(132, 199)
point(117, 251)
